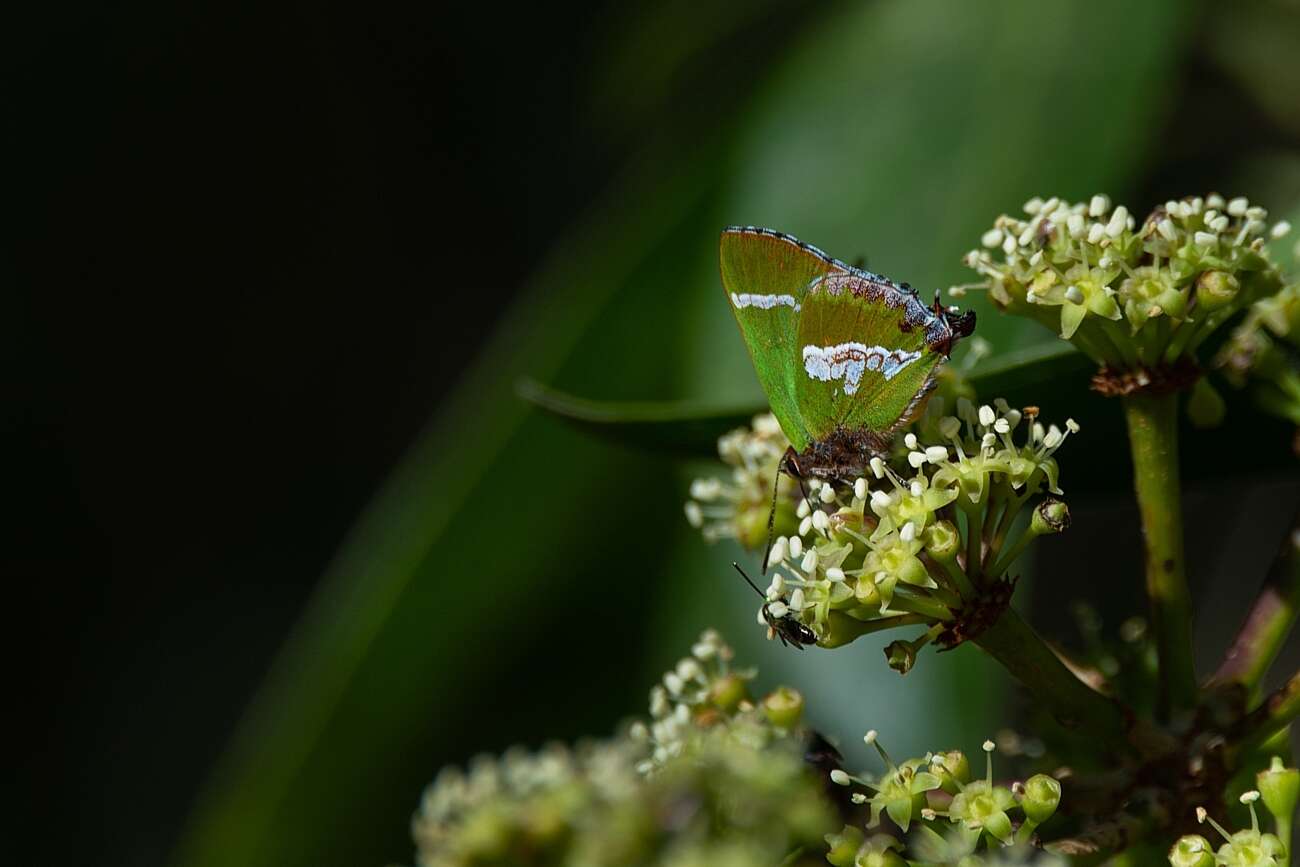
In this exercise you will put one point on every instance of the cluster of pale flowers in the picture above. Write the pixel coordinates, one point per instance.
(952, 813)
(910, 542)
(1170, 279)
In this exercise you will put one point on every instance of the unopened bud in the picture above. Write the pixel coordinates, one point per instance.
(942, 541)
(784, 707)
(1041, 797)
(1216, 288)
(1051, 516)
(1279, 788)
(901, 656)
(728, 692)
(1192, 851)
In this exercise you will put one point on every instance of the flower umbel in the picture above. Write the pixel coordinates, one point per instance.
(1138, 297)
(926, 539)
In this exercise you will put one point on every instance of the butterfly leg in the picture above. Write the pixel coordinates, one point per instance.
(790, 466)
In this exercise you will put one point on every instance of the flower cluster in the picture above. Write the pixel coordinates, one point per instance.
(954, 814)
(1261, 353)
(1134, 295)
(725, 783)
(739, 508)
(1279, 788)
(924, 539)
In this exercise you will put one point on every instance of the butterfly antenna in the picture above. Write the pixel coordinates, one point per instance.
(736, 566)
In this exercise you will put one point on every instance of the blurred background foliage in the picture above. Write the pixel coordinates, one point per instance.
(404, 211)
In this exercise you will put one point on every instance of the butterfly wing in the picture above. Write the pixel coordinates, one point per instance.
(766, 276)
(866, 356)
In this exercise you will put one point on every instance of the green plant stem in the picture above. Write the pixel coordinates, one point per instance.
(1270, 619)
(1013, 643)
(974, 539)
(916, 600)
(1275, 714)
(1009, 556)
(1282, 828)
(1153, 440)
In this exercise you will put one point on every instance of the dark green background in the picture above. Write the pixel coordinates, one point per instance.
(286, 540)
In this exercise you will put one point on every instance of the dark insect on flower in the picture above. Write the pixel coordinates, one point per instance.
(781, 623)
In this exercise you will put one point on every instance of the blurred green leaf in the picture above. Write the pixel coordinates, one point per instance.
(692, 428)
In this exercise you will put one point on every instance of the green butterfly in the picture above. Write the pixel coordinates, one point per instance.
(846, 357)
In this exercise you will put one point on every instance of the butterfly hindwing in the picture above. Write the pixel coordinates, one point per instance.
(766, 276)
(862, 356)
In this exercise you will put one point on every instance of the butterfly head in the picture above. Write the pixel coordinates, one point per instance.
(956, 324)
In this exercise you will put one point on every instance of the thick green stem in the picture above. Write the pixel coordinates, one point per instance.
(1153, 440)
(1270, 619)
(1275, 714)
(1012, 642)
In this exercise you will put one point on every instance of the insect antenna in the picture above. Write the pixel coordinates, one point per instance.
(736, 566)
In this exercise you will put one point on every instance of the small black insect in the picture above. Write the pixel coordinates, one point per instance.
(786, 627)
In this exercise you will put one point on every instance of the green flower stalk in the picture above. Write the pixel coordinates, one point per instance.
(926, 539)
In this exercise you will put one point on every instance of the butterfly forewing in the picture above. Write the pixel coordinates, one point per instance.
(863, 362)
(766, 276)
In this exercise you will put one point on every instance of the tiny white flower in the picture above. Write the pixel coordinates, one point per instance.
(1033, 206)
(821, 520)
(805, 526)
(910, 441)
(1118, 222)
(809, 563)
(694, 514)
(936, 454)
(840, 778)
(987, 416)
(860, 489)
(826, 494)
(796, 599)
(992, 238)
(1166, 228)
(1074, 295)
(1095, 233)
(779, 550)
(916, 459)
(1205, 239)
(835, 573)
(1237, 207)
(1098, 206)
(1280, 229)
(796, 547)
